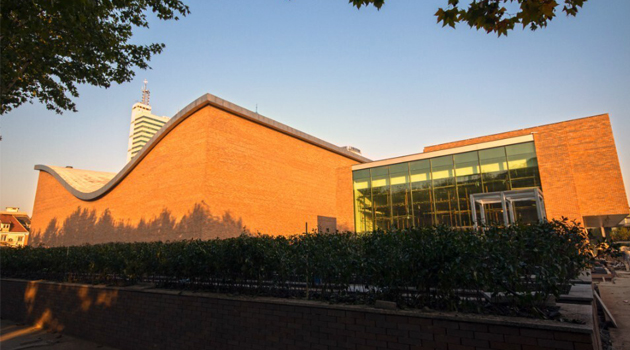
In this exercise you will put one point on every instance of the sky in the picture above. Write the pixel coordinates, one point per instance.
(388, 82)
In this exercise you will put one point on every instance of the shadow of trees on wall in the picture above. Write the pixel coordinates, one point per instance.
(85, 226)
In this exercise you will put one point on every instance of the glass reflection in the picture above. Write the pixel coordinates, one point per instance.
(381, 198)
(401, 196)
(444, 191)
(437, 190)
(362, 201)
(468, 182)
(421, 193)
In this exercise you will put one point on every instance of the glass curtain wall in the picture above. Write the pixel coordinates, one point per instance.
(523, 173)
(363, 218)
(421, 193)
(468, 176)
(523, 165)
(401, 196)
(444, 191)
(381, 198)
(437, 190)
(494, 175)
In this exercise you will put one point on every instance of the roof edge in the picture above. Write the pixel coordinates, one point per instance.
(183, 114)
(14, 220)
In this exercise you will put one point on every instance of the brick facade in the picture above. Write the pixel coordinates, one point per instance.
(578, 163)
(152, 319)
(215, 172)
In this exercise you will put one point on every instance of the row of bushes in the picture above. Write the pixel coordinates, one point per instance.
(620, 234)
(437, 267)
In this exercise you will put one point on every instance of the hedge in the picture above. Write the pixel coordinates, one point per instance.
(437, 267)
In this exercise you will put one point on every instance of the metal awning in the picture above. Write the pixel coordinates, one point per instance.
(507, 199)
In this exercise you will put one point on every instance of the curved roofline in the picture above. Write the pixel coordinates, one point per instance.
(196, 105)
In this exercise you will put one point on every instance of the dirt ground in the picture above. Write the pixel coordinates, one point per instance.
(616, 296)
(14, 336)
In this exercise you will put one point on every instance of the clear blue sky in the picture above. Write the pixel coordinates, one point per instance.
(388, 82)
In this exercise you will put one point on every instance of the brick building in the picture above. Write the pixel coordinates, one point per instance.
(574, 164)
(216, 170)
(14, 227)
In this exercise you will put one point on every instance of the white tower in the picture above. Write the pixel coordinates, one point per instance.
(146, 94)
(144, 124)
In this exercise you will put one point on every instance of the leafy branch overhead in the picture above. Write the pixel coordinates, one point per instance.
(48, 47)
(493, 16)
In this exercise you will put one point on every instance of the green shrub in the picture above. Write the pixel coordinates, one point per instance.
(620, 234)
(438, 267)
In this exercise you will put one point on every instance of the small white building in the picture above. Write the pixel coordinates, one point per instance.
(14, 227)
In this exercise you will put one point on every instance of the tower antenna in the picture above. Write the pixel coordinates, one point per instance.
(146, 94)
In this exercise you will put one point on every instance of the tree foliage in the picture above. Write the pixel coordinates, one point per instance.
(50, 46)
(493, 16)
(620, 234)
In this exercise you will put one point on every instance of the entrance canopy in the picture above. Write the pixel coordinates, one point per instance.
(507, 200)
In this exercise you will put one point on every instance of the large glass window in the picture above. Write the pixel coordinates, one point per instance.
(523, 165)
(421, 193)
(437, 190)
(494, 177)
(468, 181)
(401, 195)
(444, 191)
(363, 217)
(494, 171)
(381, 198)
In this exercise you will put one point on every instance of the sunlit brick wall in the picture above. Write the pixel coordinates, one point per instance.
(214, 164)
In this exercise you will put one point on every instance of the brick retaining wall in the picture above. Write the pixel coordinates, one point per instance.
(134, 318)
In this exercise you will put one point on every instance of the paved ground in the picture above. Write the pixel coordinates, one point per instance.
(616, 296)
(18, 337)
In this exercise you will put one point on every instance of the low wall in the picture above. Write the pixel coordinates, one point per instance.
(136, 318)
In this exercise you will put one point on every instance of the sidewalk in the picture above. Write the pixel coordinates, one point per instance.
(616, 296)
(14, 336)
